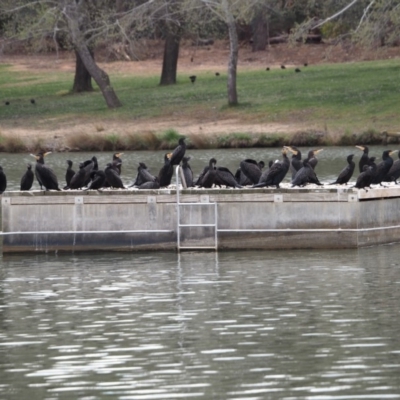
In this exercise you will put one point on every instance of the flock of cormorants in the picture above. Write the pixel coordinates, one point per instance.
(250, 172)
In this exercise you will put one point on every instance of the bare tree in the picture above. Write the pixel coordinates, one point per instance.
(230, 11)
(72, 12)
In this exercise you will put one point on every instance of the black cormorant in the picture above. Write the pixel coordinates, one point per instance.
(187, 172)
(305, 175)
(251, 170)
(394, 172)
(98, 179)
(383, 167)
(144, 174)
(27, 178)
(113, 177)
(116, 162)
(364, 160)
(365, 178)
(89, 166)
(295, 162)
(178, 153)
(3, 180)
(207, 177)
(275, 175)
(150, 184)
(312, 157)
(192, 78)
(69, 173)
(78, 180)
(225, 177)
(346, 173)
(166, 172)
(44, 174)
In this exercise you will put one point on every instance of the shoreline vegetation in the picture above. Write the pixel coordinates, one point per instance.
(324, 104)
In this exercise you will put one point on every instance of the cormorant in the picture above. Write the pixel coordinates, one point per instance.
(150, 184)
(144, 175)
(178, 153)
(225, 177)
(192, 78)
(275, 175)
(33, 101)
(78, 180)
(305, 175)
(89, 166)
(365, 178)
(187, 172)
(346, 173)
(3, 180)
(283, 67)
(312, 159)
(207, 177)
(98, 178)
(27, 178)
(383, 167)
(113, 177)
(364, 160)
(295, 162)
(166, 172)
(44, 174)
(394, 172)
(116, 162)
(251, 170)
(297, 70)
(69, 173)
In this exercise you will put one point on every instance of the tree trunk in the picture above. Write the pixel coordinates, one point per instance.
(101, 78)
(233, 54)
(170, 60)
(82, 80)
(260, 33)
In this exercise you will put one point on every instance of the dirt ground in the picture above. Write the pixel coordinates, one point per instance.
(191, 60)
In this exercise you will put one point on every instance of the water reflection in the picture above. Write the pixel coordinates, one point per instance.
(234, 325)
(332, 161)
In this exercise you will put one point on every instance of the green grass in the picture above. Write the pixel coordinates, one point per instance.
(340, 98)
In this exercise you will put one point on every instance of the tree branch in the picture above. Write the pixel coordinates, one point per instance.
(364, 14)
(335, 15)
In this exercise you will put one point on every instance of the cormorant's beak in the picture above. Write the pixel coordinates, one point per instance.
(119, 154)
(393, 152)
(290, 149)
(318, 151)
(169, 155)
(361, 148)
(34, 155)
(46, 154)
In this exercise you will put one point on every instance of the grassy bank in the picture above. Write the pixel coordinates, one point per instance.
(337, 103)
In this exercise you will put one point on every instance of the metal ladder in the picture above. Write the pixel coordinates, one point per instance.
(181, 225)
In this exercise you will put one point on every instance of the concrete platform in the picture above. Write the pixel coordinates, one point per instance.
(132, 220)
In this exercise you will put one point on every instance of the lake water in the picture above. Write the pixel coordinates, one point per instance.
(234, 325)
(318, 325)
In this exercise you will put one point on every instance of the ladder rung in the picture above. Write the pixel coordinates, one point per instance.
(196, 204)
(196, 247)
(194, 225)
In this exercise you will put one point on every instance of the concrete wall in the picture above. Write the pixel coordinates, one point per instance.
(245, 219)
